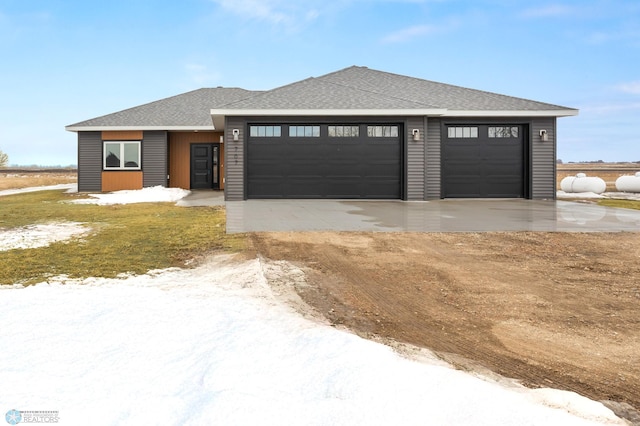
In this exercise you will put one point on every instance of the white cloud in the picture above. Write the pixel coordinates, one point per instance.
(601, 37)
(277, 12)
(632, 87)
(294, 13)
(416, 31)
(553, 10)
(260, 9)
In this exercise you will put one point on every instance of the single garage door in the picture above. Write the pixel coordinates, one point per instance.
(324, 161)
(484, 161)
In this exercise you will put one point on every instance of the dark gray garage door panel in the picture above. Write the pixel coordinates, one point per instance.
(483, 167)
(324, 167)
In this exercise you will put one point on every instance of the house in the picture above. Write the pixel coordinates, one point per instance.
(356, 133)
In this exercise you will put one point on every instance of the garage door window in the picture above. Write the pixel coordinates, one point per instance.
(265, 131)
(462, 132)
(382, 131)
(503, 132)
(304, 131)
(343, 131)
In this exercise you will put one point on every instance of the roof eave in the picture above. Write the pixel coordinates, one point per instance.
(218, 115)
(80, 128)
(512, 113)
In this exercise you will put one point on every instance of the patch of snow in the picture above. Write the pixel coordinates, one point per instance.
(155, 194)
(579, 195)
(566, 400)
(33, 236)
(622, 195)
(215, 345)
(70, 187)
(593, 195)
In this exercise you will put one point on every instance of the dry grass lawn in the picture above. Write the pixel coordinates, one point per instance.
(26, 179)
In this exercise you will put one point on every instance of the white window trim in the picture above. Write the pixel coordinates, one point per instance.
(104, 156)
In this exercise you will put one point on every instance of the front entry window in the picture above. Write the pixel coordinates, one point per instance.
(123, 155)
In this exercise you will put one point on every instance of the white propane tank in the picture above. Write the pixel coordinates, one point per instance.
(628, 183)
(582, 183)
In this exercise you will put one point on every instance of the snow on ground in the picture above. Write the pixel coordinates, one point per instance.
(578, 195)
(33, 236)
(593, 195)
(70, 187)
(622, 195)
(213, 345)
(146, 195)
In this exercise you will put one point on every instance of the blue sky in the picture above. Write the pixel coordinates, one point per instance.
(64, 61)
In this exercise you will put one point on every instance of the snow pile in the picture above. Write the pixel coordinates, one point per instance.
(580, 195)
(42, 235)
(213, 345)
(593, 195)
(155, 194)
(70, 187)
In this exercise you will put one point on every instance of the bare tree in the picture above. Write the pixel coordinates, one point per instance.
(4, 159)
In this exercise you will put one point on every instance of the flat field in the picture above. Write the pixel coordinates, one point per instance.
(607, 171)
(25, 178)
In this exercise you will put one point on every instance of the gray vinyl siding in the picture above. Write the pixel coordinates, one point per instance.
(234, 159)
(432, 159)
(89, 161)
(154, 158)
(543, 159)
(415, 159)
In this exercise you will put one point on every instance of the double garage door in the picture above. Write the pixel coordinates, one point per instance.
(364, 161)
(483, 161)
(324, 161)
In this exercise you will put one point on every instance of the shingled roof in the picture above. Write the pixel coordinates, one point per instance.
(439, 95)
(185, 111)
(351, 91)
(378, 92)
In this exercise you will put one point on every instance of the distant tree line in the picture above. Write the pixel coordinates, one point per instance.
(559, 161)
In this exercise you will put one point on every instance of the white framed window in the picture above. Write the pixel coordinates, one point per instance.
(121, 155)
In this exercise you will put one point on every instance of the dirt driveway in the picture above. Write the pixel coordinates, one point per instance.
(555, 310)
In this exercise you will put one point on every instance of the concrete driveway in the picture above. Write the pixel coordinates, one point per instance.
(427, 216)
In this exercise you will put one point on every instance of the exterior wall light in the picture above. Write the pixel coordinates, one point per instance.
(416, 134)
(236, 134)
(543, 135)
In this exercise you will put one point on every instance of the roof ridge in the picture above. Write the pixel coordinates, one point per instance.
(373, 91)
(257, 93)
